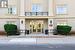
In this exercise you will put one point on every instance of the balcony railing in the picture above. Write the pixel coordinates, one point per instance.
(36, 13)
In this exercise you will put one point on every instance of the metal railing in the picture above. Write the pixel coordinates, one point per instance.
(36, 13)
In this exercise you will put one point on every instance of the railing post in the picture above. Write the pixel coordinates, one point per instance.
(30, 13)
(36, 13)
(42, 13)
(47, 13)
(25, 13)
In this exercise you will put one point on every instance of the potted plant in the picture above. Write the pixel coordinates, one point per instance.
(11, 29)
(63, 29)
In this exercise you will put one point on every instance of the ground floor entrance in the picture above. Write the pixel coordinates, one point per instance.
(36, 26)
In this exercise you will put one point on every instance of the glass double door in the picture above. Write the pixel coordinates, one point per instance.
(36, 26)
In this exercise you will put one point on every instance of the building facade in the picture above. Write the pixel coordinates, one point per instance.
(37, 15)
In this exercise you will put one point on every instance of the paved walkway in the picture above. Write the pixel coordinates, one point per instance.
(56, 39)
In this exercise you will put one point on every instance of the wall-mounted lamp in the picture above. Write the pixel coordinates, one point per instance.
(22, 22)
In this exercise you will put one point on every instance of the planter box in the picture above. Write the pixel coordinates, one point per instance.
(3, 33)
(11, 29)
(61, 29)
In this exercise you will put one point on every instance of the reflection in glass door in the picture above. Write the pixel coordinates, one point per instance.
(36, 26)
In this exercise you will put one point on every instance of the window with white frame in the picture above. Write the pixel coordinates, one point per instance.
(12, 10)
(3, 3)
(61, 9)
(36, 8)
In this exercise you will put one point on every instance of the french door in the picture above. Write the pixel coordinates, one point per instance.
(36, 26)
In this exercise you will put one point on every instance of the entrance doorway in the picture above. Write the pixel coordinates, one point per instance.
(36, 26)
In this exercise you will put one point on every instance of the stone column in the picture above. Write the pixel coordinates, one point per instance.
(50, 26)
(22, 12)
(22, 27)
(50, 7)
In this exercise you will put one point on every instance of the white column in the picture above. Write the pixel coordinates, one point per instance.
(50, 25)
(22, 26)
(50, 7)
(22, 13)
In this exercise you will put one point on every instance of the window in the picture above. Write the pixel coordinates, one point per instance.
(36, 8)
(3, 3)
(12, 10)
(61, 9)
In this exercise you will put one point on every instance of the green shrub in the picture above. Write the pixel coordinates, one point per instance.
(11, 29)
(62, 29)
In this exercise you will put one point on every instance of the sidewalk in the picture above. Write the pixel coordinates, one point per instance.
(64, 40)
(52, 40)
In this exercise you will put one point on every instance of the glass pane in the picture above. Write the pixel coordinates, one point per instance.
(34, 29)
(12, 10)
(61, 9)
(38, 30)
(36, 8)
(39, 27)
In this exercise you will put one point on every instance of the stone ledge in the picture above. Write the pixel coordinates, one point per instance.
(3, 33)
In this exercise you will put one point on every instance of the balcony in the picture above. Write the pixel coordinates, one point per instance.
(36, 13)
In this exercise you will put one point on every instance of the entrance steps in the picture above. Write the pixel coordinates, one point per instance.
(37, 36)
(43, 36)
